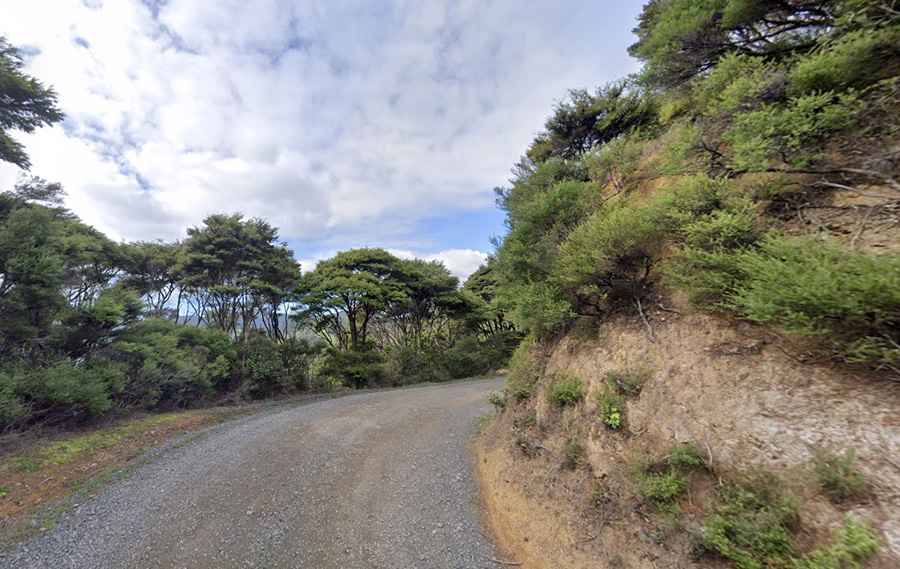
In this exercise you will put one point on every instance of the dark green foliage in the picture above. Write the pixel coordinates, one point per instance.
(172, 366)
(25, 105)
(565, 391)
(363, 367)
(680, 39)
(751, 524)
(838, 475)
(60, 392)
(343, 295)
(239, 273)
(607, 259)
(586, 120)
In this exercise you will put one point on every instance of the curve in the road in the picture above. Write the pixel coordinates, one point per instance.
(374, 480)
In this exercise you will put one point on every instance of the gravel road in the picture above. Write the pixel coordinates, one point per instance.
(373, 480)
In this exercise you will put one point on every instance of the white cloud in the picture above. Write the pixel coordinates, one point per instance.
(338, 121)
(460, 262)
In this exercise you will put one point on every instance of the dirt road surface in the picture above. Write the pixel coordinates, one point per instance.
(373, 480)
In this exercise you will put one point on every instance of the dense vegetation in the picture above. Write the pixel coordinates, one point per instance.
(694, 176)
(89, 326)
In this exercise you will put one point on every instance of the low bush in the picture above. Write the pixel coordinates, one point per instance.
(605, 261)
(171, 366)
(63, 391)
(857, 59)
(759, 139)
(538, 308)
(685, 456)
(565, 391)
(661, 482)
(628, 382)
(750, 524)
(838, 475)
(498, 400)
(814, 288)
(360, 368)
(854, 543)
(610, 410)
(525, 370)
(406, 365)
(662, 488)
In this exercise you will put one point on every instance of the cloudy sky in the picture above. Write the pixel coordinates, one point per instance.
(343, 123)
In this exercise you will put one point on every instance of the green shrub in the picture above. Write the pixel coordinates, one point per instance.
(565, 391)
(736, 83)
(355, 368)
(497, 399)
(264, 372)
(791, 132)
(706, 276)
(605, 259)
(854, 543)
(628, 382)
(838, 475)
(750, 524)
(814, 288)
(525, 370)
(173, 366)
(662, 488)
(11, 407)
(610, 409)
(538, 308)
(617, 161)
(857, 59)
(65, 391)
(406, 365)
(663, 481)
(685, 457)
(721, 229)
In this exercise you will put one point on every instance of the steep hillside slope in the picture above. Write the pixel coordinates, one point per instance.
(706, 258)
(736, 393)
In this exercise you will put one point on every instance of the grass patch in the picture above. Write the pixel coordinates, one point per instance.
(838, 475)
(565, 391)
(63, 452)
(662, 482)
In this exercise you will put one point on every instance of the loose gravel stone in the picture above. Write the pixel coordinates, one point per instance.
(375, 480)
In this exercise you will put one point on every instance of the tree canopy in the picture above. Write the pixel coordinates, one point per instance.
(26, 104)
